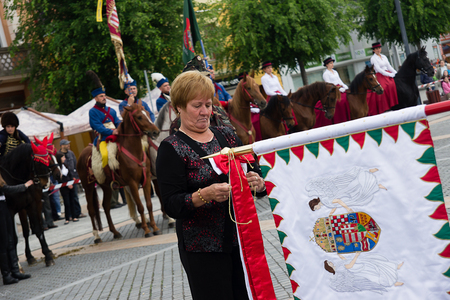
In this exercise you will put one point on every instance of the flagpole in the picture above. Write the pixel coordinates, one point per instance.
(204, 53)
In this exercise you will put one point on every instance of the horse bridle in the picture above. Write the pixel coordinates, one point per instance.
(372, 88)
(36, 176)
(252, 100)
(325, 107)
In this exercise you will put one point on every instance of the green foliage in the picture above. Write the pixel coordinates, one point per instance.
(424, 19)
(286, 32)
(64, 41)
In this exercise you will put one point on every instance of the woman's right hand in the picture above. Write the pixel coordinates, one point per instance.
(218, 192)
(29, 183)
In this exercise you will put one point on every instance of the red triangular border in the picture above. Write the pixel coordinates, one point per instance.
(359, 138)
(286, 253)
(269, 187)
(392, 131)
(270, 158)
(432, 175)
(329, 145)
(440, 213)
(299, 151)
(424, 138)
(294, 286)
(446, 252)
(277, 219)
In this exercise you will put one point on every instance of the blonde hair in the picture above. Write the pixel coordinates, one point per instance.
(189, 86)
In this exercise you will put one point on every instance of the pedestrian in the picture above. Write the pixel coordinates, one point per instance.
(67, 192)
(270, 82)
(9, 263)
(197, 197)
(131, 90)
(441, 69)
(446, 85)
(55, 201)
(71, 164)
(164, 86)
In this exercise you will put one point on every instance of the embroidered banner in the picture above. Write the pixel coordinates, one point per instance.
(359, 209)
(116, 39)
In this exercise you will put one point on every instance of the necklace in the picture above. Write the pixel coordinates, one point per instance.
(196, 139)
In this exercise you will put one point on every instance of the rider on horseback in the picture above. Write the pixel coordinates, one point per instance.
(131, 90)
(10, 136)
(102, 119)
(164, 86)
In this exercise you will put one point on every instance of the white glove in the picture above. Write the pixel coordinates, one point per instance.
(392, 75)
(341, 89)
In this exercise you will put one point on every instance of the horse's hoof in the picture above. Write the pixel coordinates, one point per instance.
(158, 232)
(117, 236)
(97, 241)
(49, 263)
(138, 225)
(147, 235)
(32, 261)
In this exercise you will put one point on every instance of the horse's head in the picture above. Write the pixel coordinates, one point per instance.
(423, 63)
(137, 120)
(370, 81)
(51, 150)
(332, 95)
(251, 92)
(284, 105)
(40, 165)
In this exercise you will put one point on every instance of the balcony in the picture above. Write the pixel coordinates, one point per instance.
(8, 63)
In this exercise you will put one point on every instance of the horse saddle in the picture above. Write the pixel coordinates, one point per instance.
(95, 163)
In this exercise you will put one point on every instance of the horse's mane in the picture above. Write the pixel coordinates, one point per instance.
(161, 115)
(310, 91)
(16, 161)
(357, 81)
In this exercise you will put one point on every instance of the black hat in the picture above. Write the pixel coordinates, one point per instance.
(10, 118)
(98, 86)
(328, 60)
(376, 45)
(196, 64)
(266, 64)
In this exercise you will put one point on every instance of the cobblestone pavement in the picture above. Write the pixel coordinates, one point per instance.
(139, 268)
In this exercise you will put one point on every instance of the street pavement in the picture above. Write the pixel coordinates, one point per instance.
(135, 267)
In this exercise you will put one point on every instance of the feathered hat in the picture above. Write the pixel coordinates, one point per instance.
(159, 79)
(10, 118)
(196, 64)
(130, 82)
(98, 86)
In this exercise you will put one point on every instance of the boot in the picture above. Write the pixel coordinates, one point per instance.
(6, 273)
(14, 261)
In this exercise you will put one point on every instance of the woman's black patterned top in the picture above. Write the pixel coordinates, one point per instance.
(181, 172)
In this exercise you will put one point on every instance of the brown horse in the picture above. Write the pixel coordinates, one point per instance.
(357, 97)
(276, 117)
(247, 91)
(134, 170)
(305, 100)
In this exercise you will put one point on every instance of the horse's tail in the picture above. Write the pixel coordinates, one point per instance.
(96, 205)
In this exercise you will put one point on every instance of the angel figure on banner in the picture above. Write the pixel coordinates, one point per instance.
(371, 272)
(356, 187)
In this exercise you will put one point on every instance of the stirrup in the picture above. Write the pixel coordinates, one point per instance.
(115, 185)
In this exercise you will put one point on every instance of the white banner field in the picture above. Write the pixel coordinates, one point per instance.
(359, 209)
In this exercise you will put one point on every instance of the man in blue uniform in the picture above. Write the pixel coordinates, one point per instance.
(163, 84)
(102, 119)
(131, 90)
(220, 93)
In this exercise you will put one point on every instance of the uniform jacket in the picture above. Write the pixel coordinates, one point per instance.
(98, 118)
(136, 100)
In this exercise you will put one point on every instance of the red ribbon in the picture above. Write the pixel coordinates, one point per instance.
(251, 242)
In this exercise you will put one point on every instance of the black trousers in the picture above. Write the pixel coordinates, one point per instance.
(215, 275)
(7, 231)
(70, 209)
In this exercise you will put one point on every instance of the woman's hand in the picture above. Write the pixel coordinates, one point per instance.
(70, 186)
(255, 181)
(28, 183)
(218, 192)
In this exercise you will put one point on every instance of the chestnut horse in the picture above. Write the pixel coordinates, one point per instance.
(276, 117)
(357, 97)
(134, 170)
(305, 99)
(247, 92)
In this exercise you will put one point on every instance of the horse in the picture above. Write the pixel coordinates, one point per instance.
(357, 97)
(56, 171)
(405, 79)
(276, 117)
(305, 99)
(17, 167)
(134, 168)
(247, 91)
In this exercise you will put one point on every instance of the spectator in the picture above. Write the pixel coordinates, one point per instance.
(71, 164)
(47, 211)
(55, 201)
(441, 69)
(67, 192)
(446, 85)
(425, 79)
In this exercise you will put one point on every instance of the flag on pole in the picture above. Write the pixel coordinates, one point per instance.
(359, 209)
(191, 33)
(113, 24)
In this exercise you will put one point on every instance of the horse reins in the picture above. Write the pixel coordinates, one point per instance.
(283, 118)
(372, 89)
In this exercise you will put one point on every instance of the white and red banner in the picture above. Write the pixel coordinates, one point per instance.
(359, 209)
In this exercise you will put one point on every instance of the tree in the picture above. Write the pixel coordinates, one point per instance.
(288, 32)
(64, 41)
(424, 19)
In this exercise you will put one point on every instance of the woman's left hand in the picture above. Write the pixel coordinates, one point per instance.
(255, 181)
